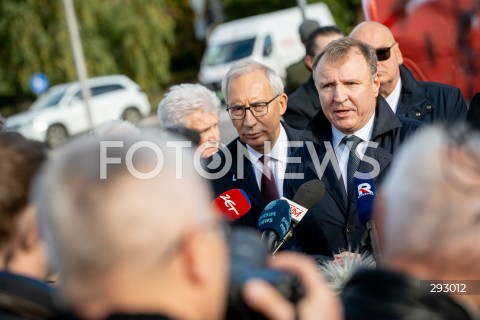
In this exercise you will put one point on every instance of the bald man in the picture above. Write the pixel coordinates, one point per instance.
(429, 102)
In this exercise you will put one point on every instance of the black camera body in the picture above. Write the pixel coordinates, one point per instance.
(248, 260)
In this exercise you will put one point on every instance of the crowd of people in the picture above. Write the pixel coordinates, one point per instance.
(119, 224)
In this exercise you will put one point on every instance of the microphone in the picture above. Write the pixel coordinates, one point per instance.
(365, 199)
(309, 194)
(274, 222)
(233, 204)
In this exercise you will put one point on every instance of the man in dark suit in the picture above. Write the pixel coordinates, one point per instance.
(429, 102)
(303, 103)
(354, 119)
(255, 102)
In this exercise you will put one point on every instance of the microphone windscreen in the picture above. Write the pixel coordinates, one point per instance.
(232, 204)
(310, 193)
(365, 197)
(275, 216)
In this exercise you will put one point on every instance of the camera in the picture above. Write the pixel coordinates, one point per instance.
(248, 260)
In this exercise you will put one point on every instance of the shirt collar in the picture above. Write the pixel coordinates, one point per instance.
(394, 97)
(279, 151)
(364, 133)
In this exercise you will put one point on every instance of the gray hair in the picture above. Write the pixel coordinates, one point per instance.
(339, 50)
(86, 238)
(432, 202)
(246, 66)
(183, 100)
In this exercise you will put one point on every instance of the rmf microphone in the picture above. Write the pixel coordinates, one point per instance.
(233, 204)
(309, 194)
(366, 192)
(274, 222)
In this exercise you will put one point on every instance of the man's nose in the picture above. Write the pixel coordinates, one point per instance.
(339, 94)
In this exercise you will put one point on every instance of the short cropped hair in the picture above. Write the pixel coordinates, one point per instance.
(432, 200)
(246, 66)
(338, 50)
(183, 100)
(320, 32)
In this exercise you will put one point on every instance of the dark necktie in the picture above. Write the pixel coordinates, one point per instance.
(268, 186)
(353, 162)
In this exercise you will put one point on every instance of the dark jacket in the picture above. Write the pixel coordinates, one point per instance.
(430, 102)
(232, 179)
(25, 298)
(381, 294)
(473, 116)
(302, 105)
(333, 224)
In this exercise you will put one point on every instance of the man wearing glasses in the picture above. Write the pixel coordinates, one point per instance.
(255, 103)
(429, 102)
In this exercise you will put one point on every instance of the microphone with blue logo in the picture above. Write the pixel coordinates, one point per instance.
(274, 222)
(366, 193)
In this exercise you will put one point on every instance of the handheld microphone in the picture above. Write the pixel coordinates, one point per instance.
(233, 204)
(274, 222)
(366, 192)
(309, 194)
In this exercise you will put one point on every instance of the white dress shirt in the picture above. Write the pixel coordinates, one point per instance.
(394, 98)
(278, 160)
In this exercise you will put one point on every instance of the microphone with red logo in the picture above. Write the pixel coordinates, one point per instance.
(365, 198)
(232, 204)
(309, 194)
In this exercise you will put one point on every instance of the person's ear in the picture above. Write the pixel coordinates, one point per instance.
(195, 252)
(28, 233)
(308, 61)
(282, 100)
(398, 53)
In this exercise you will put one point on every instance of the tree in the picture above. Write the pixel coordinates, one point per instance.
(122, 36)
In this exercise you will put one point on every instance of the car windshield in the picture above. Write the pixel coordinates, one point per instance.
(49, 99)
(227, 52)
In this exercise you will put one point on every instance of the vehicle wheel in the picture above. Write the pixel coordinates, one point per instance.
(56, 135)
(132, 115)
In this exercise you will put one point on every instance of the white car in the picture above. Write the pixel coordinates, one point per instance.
(61, 112)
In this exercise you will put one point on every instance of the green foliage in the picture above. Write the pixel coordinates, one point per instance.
(121, 36)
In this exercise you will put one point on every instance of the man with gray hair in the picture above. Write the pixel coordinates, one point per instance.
(255, 103)
(357, 132)
(194, 107)
(428, 218)
(136, 244)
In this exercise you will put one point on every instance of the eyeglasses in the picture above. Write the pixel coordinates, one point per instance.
(258, 109)
(384, 53)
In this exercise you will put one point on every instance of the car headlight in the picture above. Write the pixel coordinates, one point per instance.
(39, 125)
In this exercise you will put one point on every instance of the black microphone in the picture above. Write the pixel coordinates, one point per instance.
(274, 222)
(366, 192)
(309, 194)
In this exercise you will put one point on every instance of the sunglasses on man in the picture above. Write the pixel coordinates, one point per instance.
(384, 53)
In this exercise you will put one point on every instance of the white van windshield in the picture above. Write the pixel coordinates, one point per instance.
(227, 52)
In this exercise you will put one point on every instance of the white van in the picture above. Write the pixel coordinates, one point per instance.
(270, 38)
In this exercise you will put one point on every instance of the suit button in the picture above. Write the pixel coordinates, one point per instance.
(418, 114)
(351, 228)
(429, 107)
